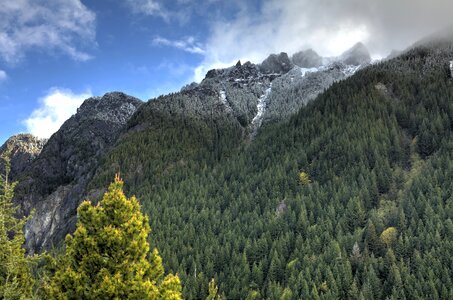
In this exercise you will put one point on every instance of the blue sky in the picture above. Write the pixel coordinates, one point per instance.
(56, 53)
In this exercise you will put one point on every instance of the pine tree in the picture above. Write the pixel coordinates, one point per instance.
(16, 281)
(213, 291)
(106, 257)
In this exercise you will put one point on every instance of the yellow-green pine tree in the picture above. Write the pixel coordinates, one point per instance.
(107, 256)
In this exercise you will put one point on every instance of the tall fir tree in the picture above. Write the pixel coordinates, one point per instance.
(107, 256)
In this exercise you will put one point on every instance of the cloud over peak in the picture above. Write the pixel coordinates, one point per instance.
(54, 109)
(50, 25)
(327, 26)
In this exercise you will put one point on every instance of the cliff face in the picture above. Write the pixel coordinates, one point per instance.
(22, 149)
(54, 183)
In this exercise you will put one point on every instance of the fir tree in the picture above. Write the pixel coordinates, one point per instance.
(107, 256)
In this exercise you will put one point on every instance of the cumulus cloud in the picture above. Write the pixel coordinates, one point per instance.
(328, 26)
(3, 75)
(188, 44)
(49, 25)
(54, 109)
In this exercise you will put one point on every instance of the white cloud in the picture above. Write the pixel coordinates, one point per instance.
(3, 75)
(189, 44)
(148, 7)
(55, 108)
(328, 26)
(50, 25)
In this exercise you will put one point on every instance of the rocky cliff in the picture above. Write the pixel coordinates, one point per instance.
(22, 149)
(55, 182)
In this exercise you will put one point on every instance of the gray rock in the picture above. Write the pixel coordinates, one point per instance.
(54, 184)
(293, 90)
(307, 59)
(22, 149)
(278, 64)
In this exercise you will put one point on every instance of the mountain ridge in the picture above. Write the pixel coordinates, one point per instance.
(241, 98)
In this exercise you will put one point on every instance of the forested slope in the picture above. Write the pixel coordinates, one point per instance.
(374, 222)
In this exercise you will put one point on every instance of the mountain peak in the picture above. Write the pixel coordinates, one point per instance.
(357, 55)
(114, 106)
(307, 59)
(276, 63)
(22, 149)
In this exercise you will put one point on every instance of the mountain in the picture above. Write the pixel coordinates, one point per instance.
(54, 183)
(276, 64)
(227, 107)
(277, 180)
(376, 148)
(357, 55)
(22, 149)
(307, 59)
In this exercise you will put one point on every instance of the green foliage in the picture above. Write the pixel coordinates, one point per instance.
(213, 292)
(106, 257)
(304, 178)
(16, 281)
(389, 236)
(375, 161)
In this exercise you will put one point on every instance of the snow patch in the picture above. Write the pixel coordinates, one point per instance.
(261, 109)
(350, 70)
(451, 68)
(223, 97)
(305, 71)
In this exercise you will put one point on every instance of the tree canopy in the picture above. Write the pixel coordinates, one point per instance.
(108, 256)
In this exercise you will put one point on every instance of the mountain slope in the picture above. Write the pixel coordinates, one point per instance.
(378, 150)
(55, 182)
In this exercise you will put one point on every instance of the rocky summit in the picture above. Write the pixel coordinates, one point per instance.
(307, 59)
(54, 183)
(22, 149)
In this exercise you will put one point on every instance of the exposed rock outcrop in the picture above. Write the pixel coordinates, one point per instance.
(54, 183)
(22, 149)
(279, 64)
(307, 59)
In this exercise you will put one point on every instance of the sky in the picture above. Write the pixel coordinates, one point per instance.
(56, 53)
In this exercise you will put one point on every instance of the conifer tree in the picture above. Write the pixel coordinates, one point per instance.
(16, 281)
(107, 256)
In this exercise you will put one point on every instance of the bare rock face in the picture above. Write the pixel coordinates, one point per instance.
(357, 55)
(54, 184)
(276, 64)
(22, 149)
(307, 59)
